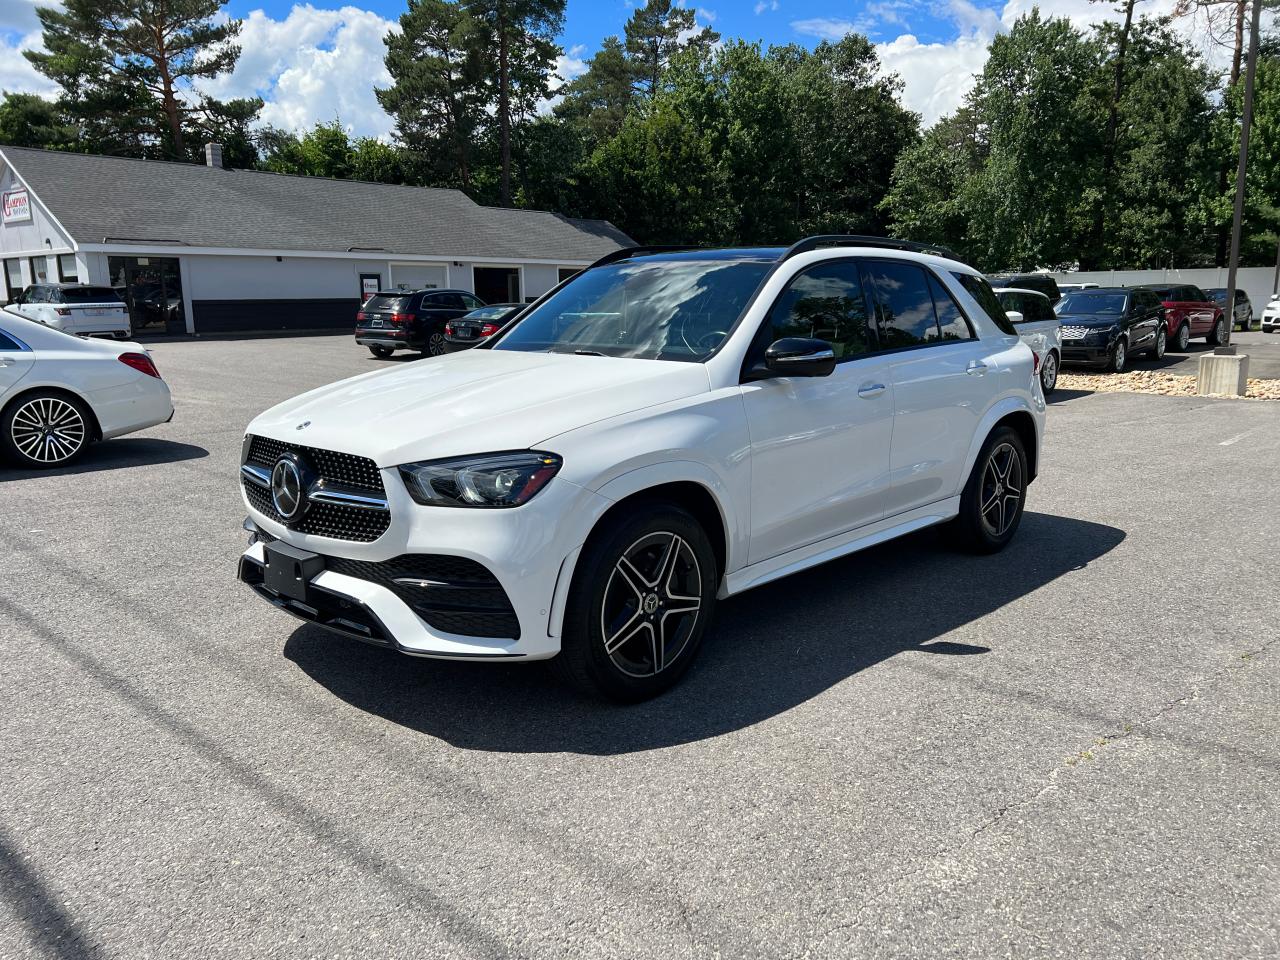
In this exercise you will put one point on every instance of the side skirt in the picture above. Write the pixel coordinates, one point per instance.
(840, 545)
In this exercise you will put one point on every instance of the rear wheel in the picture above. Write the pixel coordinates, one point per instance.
(1049, 372)
(381, 352)
(643, 595)
(992, 501)
(1218, 333)
(44, 430)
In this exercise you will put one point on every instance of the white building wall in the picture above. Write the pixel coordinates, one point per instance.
(538, 279)
(266, 278)
(38, 236)
(1256, 281)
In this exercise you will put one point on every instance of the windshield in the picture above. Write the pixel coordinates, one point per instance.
(647, 310)
(1218, 296)
(1089, 301)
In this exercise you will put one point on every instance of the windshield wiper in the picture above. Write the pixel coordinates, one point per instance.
(587, 353)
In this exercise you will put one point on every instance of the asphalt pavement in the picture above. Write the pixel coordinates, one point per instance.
(1263, 350)
(1070, 749)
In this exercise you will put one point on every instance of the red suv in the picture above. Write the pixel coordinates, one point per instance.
(1188, 312)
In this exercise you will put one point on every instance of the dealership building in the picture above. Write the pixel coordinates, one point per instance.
(202, 249)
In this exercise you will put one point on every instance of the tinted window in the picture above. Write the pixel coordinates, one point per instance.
(471, 302)
(659, 309)
(7, 344)
(904, 305)
(36, 295)
(1164, 293)
(388, 304)
(980, 290)
(951, 322)
(825, 302)
(1196, 294)
(1091, 301)
(453, 301)
(88, 295)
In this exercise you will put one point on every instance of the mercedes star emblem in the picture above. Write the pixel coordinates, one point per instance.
(303, 425)
(286, 488)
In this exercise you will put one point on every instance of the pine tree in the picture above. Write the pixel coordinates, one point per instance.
(128, 68)
(654, 35)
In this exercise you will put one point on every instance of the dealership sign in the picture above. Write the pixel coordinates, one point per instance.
(17, 206)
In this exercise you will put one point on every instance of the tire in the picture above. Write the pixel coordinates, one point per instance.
(1119, 357)
(45, 430)
(435, 345)
(1161, 344)
(628, 606)
(1218, 333)
(1183, 340)
(1000, 472)
(1049, 372)
(381, 352)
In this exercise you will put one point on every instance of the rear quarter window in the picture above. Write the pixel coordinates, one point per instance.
(980, 290)
(88, 295)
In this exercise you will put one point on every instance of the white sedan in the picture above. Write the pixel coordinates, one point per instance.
(59, 392)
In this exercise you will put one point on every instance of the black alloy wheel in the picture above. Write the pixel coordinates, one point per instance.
(643, 595)
(435, 344)
(1119, 356)
(993, 499)
(1162, 344)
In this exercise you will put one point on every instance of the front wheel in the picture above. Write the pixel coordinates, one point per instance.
(45, 430)
(381, 352)
(642, 598)
(1049, 372)
(1162, 344)
(1184, 338)
(1119, 357)
(1218, 333)
(992, 501)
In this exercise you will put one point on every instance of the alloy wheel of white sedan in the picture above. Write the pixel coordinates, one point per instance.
(48, 429)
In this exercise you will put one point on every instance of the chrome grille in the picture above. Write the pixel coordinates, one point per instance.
(1074, 332)
(336, 521)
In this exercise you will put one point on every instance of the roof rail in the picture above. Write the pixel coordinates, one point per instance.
(622, 253)
(855, 240)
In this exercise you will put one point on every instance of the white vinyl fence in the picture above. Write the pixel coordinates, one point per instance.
(1255, 281)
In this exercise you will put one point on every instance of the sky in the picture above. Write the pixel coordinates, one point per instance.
(319, 61)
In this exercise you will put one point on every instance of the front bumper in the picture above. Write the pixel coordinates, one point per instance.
(1092, 355)
(530, 552)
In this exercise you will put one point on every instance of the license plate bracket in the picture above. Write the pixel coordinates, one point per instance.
(289, 570)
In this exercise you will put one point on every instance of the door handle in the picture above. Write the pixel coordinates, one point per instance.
(976, 367)
(6, 361)
(869, 390)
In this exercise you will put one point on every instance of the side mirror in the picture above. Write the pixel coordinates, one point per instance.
(796, 357)
(1015, 316)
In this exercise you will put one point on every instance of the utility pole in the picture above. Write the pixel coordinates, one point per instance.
(1246, 121)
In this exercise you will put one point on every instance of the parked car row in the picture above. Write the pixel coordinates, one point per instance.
(75, 308)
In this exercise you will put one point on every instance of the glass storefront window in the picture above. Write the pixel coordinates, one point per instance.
(12, 279)
(151, 287)
(67, 271)
(40, 270)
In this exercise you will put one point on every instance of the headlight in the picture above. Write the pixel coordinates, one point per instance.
(492, 480)
(1103, 335)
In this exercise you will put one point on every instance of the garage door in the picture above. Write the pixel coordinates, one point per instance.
(416, 276)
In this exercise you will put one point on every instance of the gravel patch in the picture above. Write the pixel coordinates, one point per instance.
(1152, 381)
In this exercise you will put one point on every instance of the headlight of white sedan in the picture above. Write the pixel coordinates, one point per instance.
(491, 480)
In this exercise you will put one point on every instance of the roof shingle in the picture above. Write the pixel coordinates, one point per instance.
(100, 199)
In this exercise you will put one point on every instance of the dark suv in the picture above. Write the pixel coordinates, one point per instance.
(1040, 282)
(410, 319)
(1243, 311)
(1106, 326)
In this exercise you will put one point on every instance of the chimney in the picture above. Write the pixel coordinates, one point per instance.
(213, 154)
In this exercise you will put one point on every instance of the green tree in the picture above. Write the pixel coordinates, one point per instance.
(518, 37)
(437, 97)
(128, 70)
(326, 150)
(602, 96)
(655, 34)
(27, 120)
(925, 201)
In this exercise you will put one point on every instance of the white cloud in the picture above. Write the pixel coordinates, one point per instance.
(19, 16)
(763, 5)
(824, 28)
(17, 75)
(313, 66)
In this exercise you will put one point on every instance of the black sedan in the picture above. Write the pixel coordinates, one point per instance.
(1244, 309)
(478, 326)
(1106, 326)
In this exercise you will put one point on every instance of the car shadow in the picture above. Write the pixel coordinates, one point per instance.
(115, 455)
(771, 649)
(1060, 395)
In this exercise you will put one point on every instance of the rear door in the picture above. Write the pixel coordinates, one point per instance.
(1200, 310)
(938, 370)
(16, 361)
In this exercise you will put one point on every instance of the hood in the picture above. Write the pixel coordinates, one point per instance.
(1089, 319)
(477, 401)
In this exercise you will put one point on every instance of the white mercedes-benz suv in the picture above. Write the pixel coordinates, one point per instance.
(665, 429)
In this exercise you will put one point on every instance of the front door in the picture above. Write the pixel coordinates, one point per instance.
(939, 374)
(151, 288)
(819, 445)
